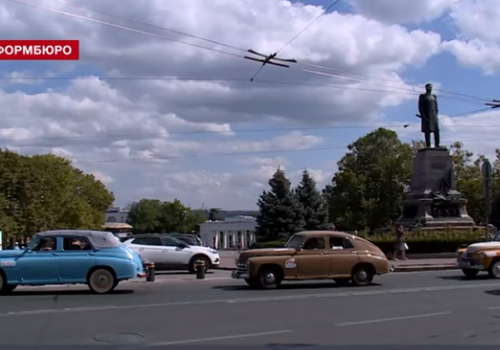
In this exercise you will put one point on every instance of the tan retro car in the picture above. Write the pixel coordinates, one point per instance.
(483, 256)
(313, 255)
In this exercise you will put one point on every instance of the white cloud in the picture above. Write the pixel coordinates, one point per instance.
(100, 123)
(403, 11)
(478, 23)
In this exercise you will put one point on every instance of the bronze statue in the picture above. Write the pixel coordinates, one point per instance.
(428, 114)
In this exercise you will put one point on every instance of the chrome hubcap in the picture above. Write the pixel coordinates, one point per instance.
(362, 275)
(269, 278)
(102, 280)
(496, 270)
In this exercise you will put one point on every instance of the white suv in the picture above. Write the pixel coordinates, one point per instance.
(167, 252)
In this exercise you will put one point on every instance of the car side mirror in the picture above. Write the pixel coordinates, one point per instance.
(182, 245)
(300, 247)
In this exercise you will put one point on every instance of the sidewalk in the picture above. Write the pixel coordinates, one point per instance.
(410, 265)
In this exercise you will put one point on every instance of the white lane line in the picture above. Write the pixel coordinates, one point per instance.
(494, 308)
(367, 292)
(227, 337)
(401, 318)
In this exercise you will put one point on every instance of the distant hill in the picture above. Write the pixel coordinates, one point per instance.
(223, 214)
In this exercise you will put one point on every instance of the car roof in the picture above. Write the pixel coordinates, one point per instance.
(99, 239)
(324, 233)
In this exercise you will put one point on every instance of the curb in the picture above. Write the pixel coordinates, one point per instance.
(410, 268)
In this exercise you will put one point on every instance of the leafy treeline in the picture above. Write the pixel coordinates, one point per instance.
(155, 216)
(45, 192)
(367, 191)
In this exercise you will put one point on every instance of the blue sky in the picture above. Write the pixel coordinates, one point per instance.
(86, 115)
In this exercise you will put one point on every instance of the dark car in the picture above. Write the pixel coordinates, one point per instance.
(189, 238)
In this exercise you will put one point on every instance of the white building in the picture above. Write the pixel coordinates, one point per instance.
(116, 214)
(227, 234)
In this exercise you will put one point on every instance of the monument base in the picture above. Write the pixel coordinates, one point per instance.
(434, 201)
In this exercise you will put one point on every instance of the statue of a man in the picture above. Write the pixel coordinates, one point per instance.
(428, 109)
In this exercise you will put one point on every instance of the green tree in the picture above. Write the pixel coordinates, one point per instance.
(468, 177)
(280, 213)
(368, 189)
(146, 216)
(46, 192)
(213, 214)
(314, 207)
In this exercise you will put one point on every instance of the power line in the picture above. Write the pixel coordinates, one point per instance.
(395, 90)
(231, 154)
(309, 25)
(123, 28)
(261, 130)
(93, 9)
(217, 43)
(494, 104)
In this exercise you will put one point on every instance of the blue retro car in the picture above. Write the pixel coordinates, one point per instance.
(95, 258)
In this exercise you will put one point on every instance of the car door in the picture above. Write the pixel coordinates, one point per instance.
(312, 260)
(39, 265)
(149, 248)
(175, 251)
(342, 255)
(76, 258)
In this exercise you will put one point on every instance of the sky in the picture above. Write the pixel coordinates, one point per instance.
(161, 103)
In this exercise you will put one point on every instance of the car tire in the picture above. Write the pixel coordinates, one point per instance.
(269, 279)
(470, 273)
(102, 281)
(362, 275)
(252, 282)
(194, 260)
(4, 287)
(341, 282)
(494, 270)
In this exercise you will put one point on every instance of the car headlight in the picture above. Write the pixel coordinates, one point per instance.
(213, 251)
(481, 256)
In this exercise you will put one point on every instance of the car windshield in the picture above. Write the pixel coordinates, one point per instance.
(294, 242)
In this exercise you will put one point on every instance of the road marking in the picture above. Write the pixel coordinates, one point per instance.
(368, 292)
(494, 308)
(227, 337)
(401, 318)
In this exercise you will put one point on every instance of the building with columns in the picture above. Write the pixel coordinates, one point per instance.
(227, 234)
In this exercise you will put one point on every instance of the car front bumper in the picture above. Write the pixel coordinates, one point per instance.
(238, 275)
(469, 265)
(241, 272)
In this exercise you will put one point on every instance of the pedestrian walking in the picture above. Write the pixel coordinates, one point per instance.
(400, 247)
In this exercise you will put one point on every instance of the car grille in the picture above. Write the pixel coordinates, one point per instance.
(469, 256)
(241, 268)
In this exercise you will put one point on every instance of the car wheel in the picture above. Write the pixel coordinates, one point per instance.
(470, 273)
(252, 282)
(362, 275)
(342, 281)
(6, 288)
(196, 259)
(494, 270)
(269, 279)
(102, 281)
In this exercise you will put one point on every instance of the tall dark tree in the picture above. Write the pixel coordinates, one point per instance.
(280, 213)
(314, 207)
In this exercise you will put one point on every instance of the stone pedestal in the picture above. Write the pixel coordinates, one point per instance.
(433, 200)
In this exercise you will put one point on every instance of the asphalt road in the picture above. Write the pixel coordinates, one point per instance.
(433, 308)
